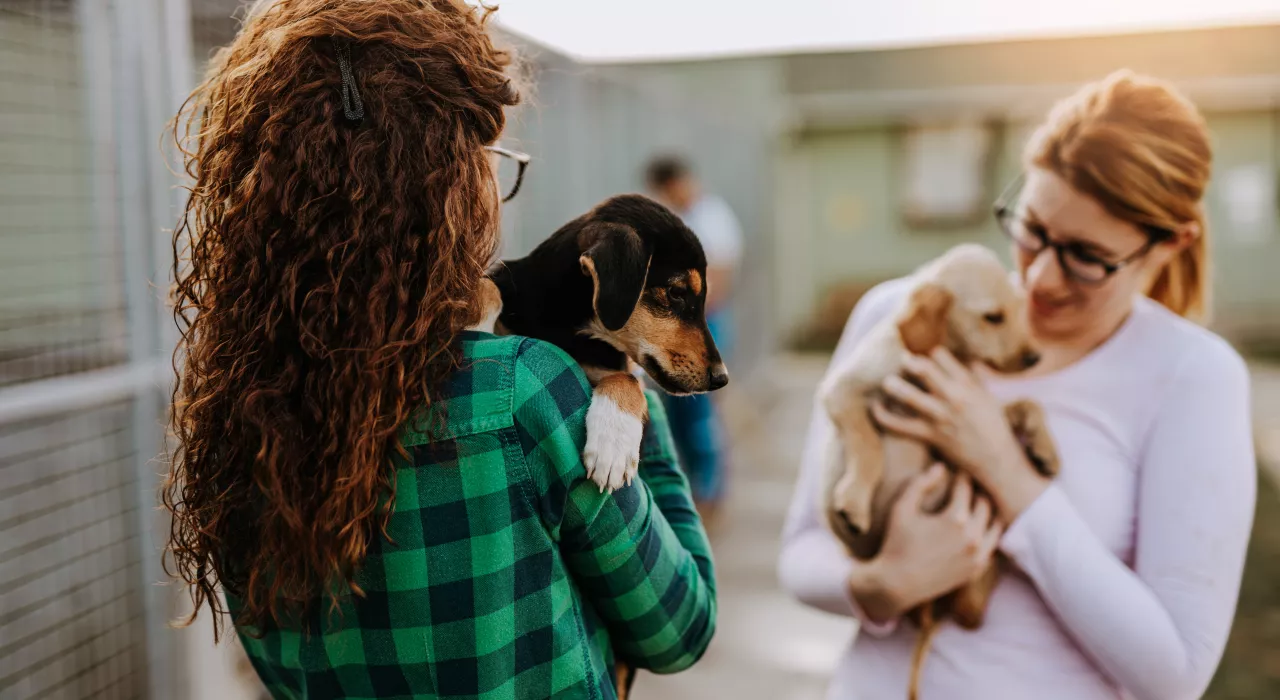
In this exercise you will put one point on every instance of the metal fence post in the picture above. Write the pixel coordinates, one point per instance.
(144, 191)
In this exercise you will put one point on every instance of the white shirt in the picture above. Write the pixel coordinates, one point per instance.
(1130, 563)
(713, 222)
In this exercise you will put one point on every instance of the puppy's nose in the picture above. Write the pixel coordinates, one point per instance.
(1030, 358)
(718, 377)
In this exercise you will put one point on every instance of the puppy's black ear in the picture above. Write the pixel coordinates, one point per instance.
(617, 262)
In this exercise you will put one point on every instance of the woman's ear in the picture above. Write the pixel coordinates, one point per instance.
(923, 326)
(618, 264)
(1184, 236)
(1187, 234)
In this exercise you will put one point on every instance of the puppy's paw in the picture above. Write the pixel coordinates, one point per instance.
(1031, 427)
(612, 454)
(855, 511)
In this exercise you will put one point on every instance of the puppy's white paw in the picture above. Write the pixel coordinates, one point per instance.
(612, 454)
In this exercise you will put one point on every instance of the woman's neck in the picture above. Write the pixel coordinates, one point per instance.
(1057, 353)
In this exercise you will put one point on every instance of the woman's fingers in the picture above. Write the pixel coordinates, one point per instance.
(991, 540)
(920, 487)
(927, 371)
(914, 397)
(949, 366)
(902, 425)
(981, 514)
(962, 498)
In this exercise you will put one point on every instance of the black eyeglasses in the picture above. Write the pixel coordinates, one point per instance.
(510, 181)
(1076, 261)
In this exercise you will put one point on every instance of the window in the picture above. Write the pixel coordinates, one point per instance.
(946, 174)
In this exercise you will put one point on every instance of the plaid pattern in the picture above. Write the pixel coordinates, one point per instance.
(507, 574)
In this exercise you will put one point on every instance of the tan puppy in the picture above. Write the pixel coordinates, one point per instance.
(963, 301)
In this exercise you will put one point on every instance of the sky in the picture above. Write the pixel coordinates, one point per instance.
(630, 30)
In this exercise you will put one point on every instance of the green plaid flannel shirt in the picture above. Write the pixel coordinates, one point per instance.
(507, 573)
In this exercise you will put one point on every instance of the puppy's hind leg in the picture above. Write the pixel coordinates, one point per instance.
(624, 676)
(615, 427)
(969, 606)
(833, 468)
(854, 491)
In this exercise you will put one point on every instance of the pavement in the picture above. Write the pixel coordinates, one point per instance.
(766, 644)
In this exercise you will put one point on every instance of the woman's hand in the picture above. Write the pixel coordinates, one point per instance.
(966, 424)
(926, 555)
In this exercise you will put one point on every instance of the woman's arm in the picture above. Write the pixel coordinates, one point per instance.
(639, 555)
(1159, 630)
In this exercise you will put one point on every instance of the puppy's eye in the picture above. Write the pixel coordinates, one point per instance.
(676, 299)
(995, 318)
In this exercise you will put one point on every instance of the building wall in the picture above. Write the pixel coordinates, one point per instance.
(838, 121)
(852, 189)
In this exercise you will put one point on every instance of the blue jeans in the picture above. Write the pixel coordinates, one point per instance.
(695, 425)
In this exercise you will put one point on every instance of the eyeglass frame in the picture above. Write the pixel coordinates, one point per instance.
(1004, 211)
(521, 158)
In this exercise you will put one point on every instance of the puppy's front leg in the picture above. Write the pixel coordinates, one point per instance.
(1028, 422)
(615, 426)
(853, 492)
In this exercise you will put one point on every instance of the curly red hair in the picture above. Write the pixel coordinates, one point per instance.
(324, 270)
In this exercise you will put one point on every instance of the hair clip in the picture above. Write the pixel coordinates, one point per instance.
(352, 106)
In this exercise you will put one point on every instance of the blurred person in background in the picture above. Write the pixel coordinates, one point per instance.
(695, 422)
(395, 506)
(1131, 561)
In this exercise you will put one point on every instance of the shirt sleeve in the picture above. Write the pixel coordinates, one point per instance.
(813, 565)
(1158, 630)
(640, 555)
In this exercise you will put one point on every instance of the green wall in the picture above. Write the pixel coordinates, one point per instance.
(850, 190)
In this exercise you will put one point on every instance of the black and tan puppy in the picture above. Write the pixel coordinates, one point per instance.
(624, 283)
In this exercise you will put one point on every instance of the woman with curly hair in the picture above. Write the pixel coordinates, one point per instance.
(392, 505)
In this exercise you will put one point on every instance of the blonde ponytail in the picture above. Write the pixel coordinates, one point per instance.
(1183, 285)
(1142, 150)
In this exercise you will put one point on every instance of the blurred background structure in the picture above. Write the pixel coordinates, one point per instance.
(844, 167)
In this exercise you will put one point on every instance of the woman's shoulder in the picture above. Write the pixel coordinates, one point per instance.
(517, 364)
(503, 378)
(1191, 356)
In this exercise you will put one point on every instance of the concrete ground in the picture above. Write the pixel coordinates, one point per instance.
(767, 645)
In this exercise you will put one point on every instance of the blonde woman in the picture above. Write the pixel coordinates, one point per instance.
(1128, 565)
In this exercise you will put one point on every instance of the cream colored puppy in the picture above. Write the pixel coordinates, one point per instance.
(963, 301)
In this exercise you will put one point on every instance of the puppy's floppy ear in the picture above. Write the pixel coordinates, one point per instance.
(923, 326)
(615, 258)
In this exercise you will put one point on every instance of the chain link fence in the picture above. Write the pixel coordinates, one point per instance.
(84, 198)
